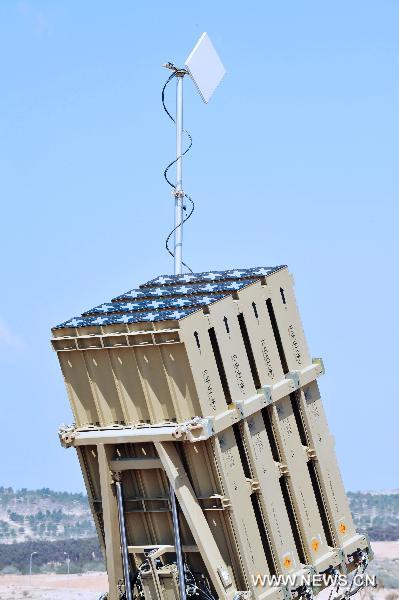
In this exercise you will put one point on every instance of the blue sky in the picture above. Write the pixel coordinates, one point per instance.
(295, 161)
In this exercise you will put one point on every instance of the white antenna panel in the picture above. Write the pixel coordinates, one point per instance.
(205, 67)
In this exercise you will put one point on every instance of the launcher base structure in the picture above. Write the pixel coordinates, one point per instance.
(204, 382)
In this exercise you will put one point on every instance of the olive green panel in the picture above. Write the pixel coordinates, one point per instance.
(129, 385)
(83, 403)
(206, 483)
(155, 384)
(146, 527)
(252, 304)
(280, 290)
(294, 457)
(181, 383)
(322, 442)
(236, 488)
(88, 461)
(103, 386)
(223, 318)
(194, 334)
(266, 471)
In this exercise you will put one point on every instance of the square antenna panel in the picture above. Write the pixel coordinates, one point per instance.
(205, 67)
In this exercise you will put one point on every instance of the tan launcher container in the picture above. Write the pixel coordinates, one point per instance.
(204, 383)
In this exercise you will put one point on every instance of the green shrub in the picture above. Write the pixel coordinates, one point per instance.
(10, 570)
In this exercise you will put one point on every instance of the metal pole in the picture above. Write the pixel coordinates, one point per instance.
(30, 567)
(122, 530)
(179, 554)
(67, 560)
(179, 194)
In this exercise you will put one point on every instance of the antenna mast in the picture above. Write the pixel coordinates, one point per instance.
(206, 69)
(179, 193)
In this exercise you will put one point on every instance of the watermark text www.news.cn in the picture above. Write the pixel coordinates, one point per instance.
(315, 580)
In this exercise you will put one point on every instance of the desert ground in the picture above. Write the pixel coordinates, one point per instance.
(90, 586)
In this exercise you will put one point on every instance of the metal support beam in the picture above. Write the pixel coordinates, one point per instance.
(128, 435)
(122, 530)
(196, 521)
(133, 464)
(110, 516)
(194, 430)
(179, 554)
(160, 550)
